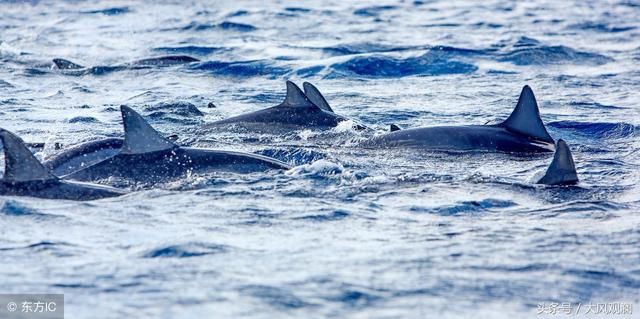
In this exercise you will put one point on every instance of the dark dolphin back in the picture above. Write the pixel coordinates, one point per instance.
(63, 64)
(296, 110)
(25, 176)
(165, 60)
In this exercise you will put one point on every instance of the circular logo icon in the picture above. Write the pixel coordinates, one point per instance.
(12, 306)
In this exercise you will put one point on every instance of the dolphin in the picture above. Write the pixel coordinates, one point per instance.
(70, 68)
(394, 127)
(522, 132)
(296, 112)
(85, 154)
(562, 170)
(147, 156)
(24, 175)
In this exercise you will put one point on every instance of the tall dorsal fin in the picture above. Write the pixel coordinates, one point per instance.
(63, 64)
(525, 118)
(316, 97)
(20, 165)
(139, 136)
(562, 170)
(296, 98)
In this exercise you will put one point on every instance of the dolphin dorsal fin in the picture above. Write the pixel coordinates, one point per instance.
(20, 165)
(296, 98)
(139, 136)
(316, 97)
(562, 170)
(525, 118)
(63, 64)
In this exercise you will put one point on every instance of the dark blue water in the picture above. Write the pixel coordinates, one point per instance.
(348, 232)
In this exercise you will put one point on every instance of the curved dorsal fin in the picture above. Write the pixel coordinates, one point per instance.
(316, 97)
(394, 127)
(63, 64)
(20, 165)
(139, 136)
(296, 98)
(562, 170)
(525, 118)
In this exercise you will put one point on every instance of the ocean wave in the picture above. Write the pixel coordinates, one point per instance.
(553, 55)
(83, 119)
(242, 68)
(601, 27)
(190, 49)
(466, 207)
(187, 250)
(109, 11)
(17, 209)
(366, 47)
(295, 156)
(373, 11)
(433, 63)
(593, 105)
(329, 216)
(225, 25)
(274, 296)
(310, 71)
(5, 84)
(317, 169)
(354, 297)
(602, 130)
(182, 109)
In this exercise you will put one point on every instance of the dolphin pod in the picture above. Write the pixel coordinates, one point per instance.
(144, 155)
(308, 110)
(147, 156)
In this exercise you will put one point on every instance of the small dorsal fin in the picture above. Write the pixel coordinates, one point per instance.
(562, 170)
(316, 97)
(296, 98)
(394, 127)
(20, 165)
(139, 136)
(63, 64)
(525, 118)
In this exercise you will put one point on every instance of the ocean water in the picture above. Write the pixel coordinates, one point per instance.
(347, 233)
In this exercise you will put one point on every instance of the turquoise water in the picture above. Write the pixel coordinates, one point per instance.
(348, 232)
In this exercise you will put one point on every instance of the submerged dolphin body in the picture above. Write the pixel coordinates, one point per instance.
(296, 112)
(25, 176)
(146, 156)
(562, 170)
(85, 154)
(522, 132)
(70, 68)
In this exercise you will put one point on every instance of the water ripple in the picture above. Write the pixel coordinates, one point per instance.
(195, 249)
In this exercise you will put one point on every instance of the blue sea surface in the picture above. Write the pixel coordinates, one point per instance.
(347, 233)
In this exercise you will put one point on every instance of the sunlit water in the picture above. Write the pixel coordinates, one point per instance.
(349, 232)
